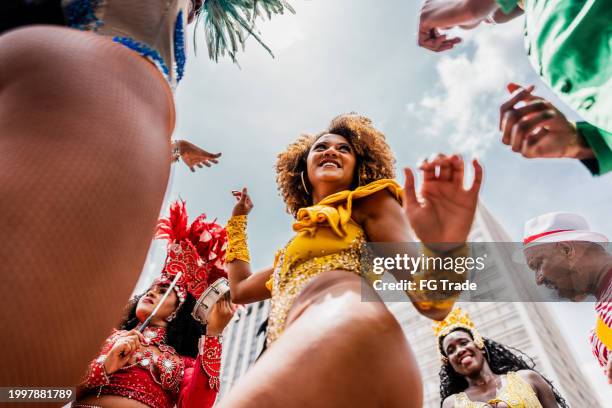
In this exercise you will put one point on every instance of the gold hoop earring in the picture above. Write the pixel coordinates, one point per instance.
(304, 183)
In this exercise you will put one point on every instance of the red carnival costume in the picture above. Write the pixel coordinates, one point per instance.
(166, 379)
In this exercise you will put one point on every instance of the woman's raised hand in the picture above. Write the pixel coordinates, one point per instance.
(244, 204)
(220, 315)
(537, 129)
(445, 211)
(194, 156)
(123, 349)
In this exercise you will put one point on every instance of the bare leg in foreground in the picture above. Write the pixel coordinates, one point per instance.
(84, 162)
(337, 351)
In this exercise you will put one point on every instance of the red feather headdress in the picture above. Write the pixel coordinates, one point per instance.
(196, 250)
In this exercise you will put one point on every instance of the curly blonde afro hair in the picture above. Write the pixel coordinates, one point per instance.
(375, 159)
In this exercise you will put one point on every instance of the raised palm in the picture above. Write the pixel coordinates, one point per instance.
(194, 156)
(445, 211)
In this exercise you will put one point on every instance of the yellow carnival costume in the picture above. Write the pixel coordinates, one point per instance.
(515, 393)
(327, 239)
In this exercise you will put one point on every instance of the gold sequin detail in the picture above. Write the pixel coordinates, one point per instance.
(438, 299)
(237, 247)
(327, 239)
(517, 393)
(287, 283)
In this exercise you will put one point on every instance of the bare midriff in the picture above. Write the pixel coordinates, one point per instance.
(331, 283)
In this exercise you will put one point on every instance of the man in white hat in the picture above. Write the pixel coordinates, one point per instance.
(570, 258)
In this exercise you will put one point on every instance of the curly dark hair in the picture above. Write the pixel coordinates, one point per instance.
(375, 159)
(183, 332)
(502, 360)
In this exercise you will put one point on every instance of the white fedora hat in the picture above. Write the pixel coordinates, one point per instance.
(557, 227)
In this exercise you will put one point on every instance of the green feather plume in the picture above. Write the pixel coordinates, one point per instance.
(229, 23)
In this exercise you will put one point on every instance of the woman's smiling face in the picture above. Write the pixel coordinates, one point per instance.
(463, 355)
(331, 160)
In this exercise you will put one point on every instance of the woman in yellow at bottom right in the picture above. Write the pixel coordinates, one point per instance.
(478, 372)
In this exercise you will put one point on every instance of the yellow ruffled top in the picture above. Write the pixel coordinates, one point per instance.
(326, 239)
(516, 393)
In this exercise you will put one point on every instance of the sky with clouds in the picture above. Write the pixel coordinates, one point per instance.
(342, 56)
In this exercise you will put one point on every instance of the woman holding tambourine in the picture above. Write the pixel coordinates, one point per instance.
(167, 350)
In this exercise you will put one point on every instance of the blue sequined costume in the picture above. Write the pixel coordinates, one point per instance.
(154, 29)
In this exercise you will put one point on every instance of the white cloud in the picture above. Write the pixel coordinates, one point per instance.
(281, 34)
(462, 108)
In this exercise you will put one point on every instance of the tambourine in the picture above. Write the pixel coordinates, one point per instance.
(208, 299)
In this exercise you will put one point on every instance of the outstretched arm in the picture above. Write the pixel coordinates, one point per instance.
(442, 220)
(384, 221)
(451, 13)
(439, 15)
(193, 156)
(245, 286)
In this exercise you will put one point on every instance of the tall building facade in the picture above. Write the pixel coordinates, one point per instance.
(528, 326)
(242, 343)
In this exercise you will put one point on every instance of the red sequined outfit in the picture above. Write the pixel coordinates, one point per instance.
(156, 374)
(160, 380)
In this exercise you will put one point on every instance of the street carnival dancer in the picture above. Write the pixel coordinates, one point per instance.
(327, 347)
(89, 100)
(174, 361)
(476, 369)
(567, 256)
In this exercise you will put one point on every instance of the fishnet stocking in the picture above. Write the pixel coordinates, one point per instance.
(84, 162)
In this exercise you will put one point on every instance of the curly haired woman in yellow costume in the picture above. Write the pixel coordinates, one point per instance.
(327, 346)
